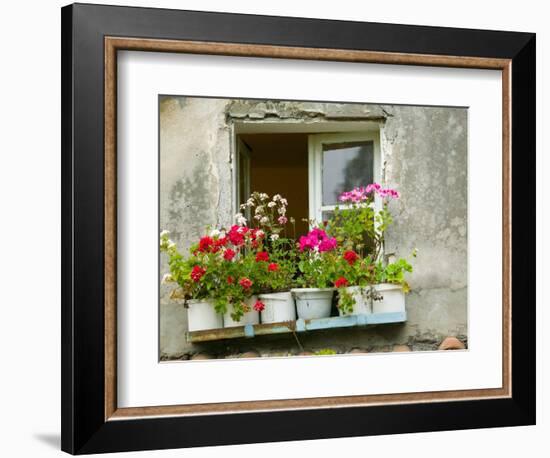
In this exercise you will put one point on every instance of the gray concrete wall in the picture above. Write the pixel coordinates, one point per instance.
(425, 158)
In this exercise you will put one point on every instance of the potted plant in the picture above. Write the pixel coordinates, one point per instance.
(236, 297)
(365, 284)
(316, 262)
(391, 286)
(195, 286)
(276, 278)
(352, 283)
(274, 266)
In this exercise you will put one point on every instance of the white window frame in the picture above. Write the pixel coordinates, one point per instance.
(315, 167)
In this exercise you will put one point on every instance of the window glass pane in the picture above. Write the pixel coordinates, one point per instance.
(345, 166)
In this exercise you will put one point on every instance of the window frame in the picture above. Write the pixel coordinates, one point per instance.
(315, 166)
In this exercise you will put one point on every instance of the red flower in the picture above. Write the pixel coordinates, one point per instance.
(262, 256)
(341, 282)
(245, 283)
(222, 241)
(351, 257)
(230, 280)
(197, 273)
(236, 235)
(229, 254)
(259, 306)
(205, 244)
(273, 267)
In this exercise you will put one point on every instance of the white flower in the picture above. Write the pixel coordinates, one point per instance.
(167, 278)
(274, 237)
(241, 221)
(171, 245)
(284, 201)
(243, 206)
(215, 233)
(271, 204)
(259, 209)
(164, 233)
(250, 202)
(264, 220)
(240, 230)
(257, 216)
(276, 197)
(260, 233)
(282, 211)
(264, 196)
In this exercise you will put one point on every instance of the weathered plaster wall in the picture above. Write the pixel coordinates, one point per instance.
(425, 155)
(426, 159)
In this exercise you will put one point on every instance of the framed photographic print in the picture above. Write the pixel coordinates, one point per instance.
(286, 228)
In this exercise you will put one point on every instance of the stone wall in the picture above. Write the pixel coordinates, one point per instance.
(425, 158)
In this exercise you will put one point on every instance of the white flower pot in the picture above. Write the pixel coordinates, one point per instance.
(393, 298)
(278, 307)
(252, 317)
(202, 315)
(362, 304)
(313, 303)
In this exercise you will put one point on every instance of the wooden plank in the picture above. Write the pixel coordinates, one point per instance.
(300, 325)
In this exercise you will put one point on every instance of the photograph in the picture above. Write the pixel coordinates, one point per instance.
(294, 228)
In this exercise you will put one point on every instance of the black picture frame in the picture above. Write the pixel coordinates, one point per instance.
(84, 428)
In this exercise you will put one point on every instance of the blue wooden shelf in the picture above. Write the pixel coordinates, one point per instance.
(298, 326)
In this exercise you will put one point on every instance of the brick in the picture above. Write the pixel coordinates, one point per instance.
(451, 343)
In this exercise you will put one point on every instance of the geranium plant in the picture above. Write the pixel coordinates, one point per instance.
(276, 269)
(317, 253)
(357, 224)
(360, 227)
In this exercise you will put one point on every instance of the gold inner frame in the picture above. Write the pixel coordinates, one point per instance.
(112, 45)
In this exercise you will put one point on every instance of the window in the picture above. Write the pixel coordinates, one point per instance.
(338, 163)
(310, 168)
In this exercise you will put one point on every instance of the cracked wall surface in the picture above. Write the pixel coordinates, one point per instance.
(424, 156)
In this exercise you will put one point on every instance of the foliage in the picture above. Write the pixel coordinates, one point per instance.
(316, 259)
(325, 352)
(230, 265)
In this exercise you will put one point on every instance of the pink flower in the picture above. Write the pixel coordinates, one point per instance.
(246, 283)
(262, 256)
(364, 193)
(341, 282)
(197, 273)
(229, 254)
(259, 306)
(327, 244)
(319, 233)
(307, 242)
(273, 267)
(282, 219)
(317, 238)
